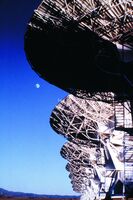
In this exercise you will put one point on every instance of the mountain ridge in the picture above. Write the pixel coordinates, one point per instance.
(8, 193)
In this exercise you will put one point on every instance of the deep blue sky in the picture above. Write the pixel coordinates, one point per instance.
(30, 159)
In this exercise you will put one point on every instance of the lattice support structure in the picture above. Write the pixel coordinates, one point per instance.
(82, 120)
(83, 35)
(102, 149)
(98, 124)
(123, 116)
(112, 20)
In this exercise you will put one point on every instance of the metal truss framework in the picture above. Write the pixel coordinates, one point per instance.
(110, 19)
(82, 160)
(98, 125)
(81, 119)
(105, 24)
(100, 157)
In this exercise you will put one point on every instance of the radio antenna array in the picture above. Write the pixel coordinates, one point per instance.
(85, 47)
(101, 146)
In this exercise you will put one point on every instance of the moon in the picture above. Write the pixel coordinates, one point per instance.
(37, 85)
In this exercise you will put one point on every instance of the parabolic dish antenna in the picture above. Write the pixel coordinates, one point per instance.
(72, 44)
(80, 120)
(85, 47)
(95, 143)
(77, 153)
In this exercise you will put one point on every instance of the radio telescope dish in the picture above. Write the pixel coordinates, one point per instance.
(81, 155)
(96, 176)
(99, 149)
(85, 177)
(77, 39)
(81, 47)
(80, 120)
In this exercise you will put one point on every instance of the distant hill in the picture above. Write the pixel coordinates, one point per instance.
(6, 193)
